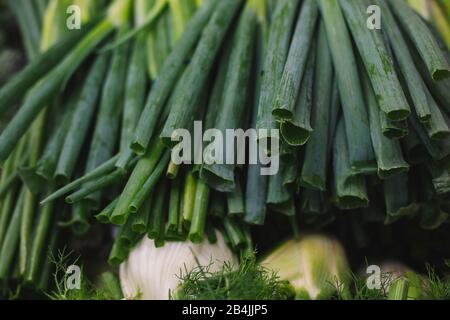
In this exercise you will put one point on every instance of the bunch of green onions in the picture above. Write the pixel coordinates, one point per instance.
(364, 115)
(71, 107)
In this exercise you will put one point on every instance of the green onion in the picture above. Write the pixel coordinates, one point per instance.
(8, 184)
(48, 263)
(276, 54)
(188, 197)
(231, 113)
(29, 25)
(218, 176)
(118, 254)
(393, 129)
(415, 151)
(141, 218)
(167, 77)
(141, 172)
(98, 172)
(26, 227)
(156, 225)
(92, 187)
(147, 187)
(397, 198)
(42, 235)
(11, 240)
(423, 39)
(438, 126)
(350, 190)
(81, 120)
(7, 203)
(278, 192)
(199, 211)
(412, 77)
(439, 150)
(335, 111)
(234, 233)
(388, 152)
(379, 65)
(185, 105)
(298, 131)
(355, 115)
(134, 99)
(117, 11)
(105, 214)
(28, 175)
(256, 186)
(38, 98)
(107, 125)
(235, 200)
(6, 210)
(315, 163)
(158, 45)
(174, 208)
(441, 178)
(439, 89)
(14, 89)
(47, 163)
(291, 171)
(127, 236)
(79, 222)
(285, 103)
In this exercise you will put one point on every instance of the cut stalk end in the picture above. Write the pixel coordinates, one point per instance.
(294, 135)
(398, 115)
(441, 74)
(281, 114)
(118, 220)
(138, 148)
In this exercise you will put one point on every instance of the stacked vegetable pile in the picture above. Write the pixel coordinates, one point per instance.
(72, 108)
(364, 114)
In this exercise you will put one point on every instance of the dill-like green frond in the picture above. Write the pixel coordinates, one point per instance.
(248, 281)
(108, 287)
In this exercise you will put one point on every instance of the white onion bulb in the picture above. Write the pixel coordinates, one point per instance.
(314, 265)
(152, 273)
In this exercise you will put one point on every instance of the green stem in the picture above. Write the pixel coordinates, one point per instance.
(199, 211)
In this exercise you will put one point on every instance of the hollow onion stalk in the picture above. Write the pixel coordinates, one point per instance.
(296, 61)
(38, 98)
(356, 119)
(275, 57)
(296, 132)
(314, 170)
(185, 105)
(232, 111)
(423, 39)
(256, 186)
(388, 152)
(350, 189)
(168, 76)
(379, 65)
